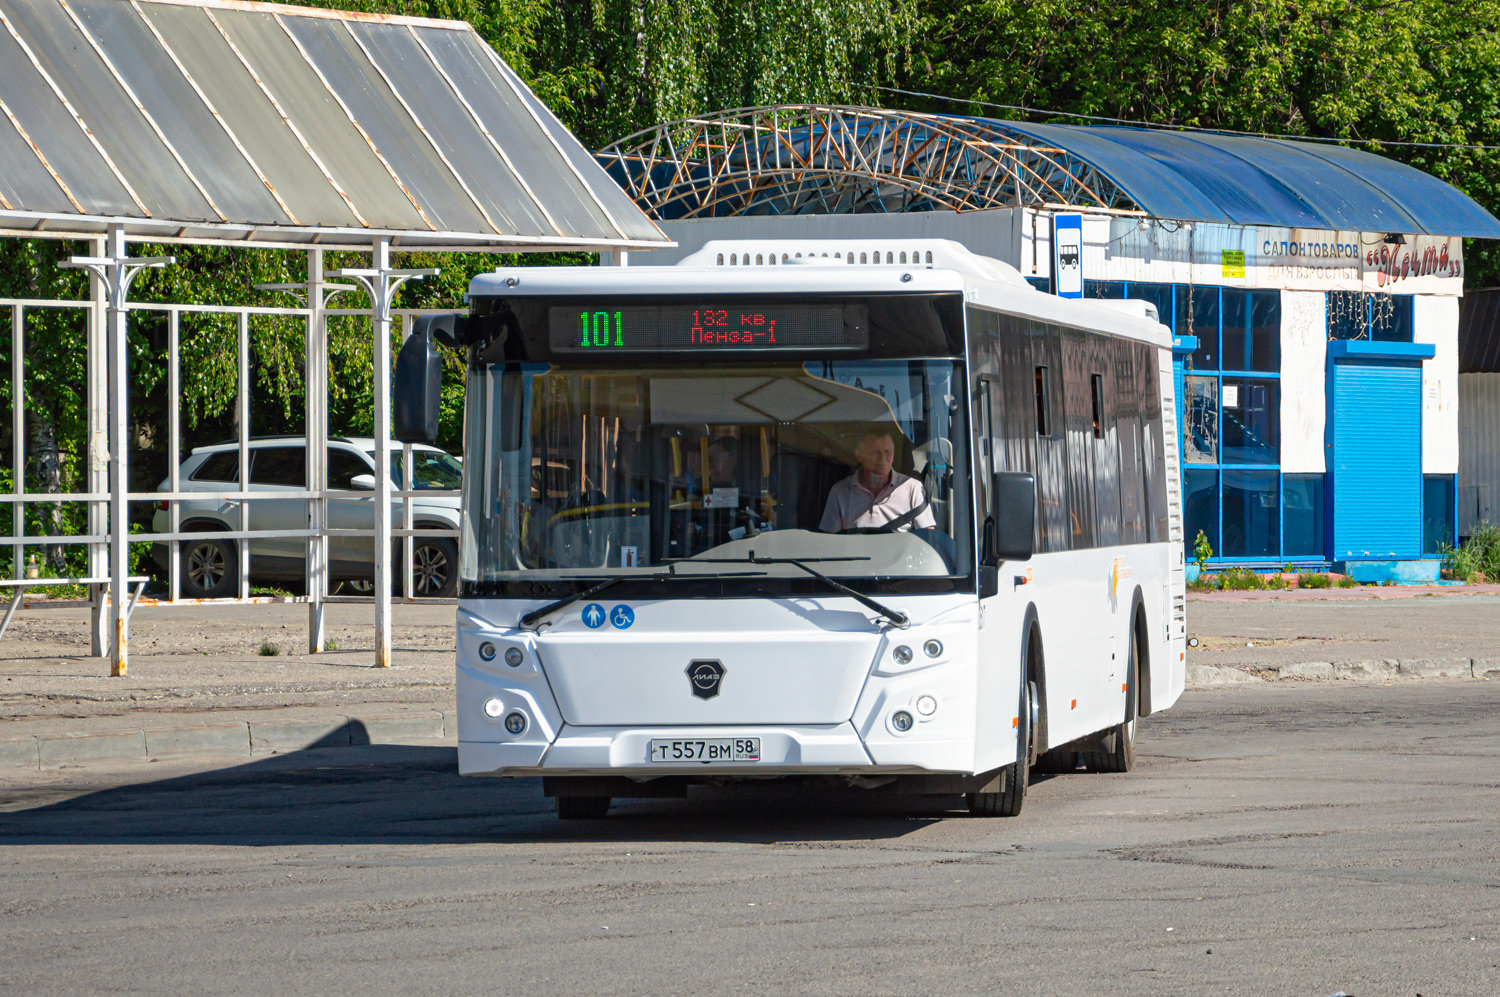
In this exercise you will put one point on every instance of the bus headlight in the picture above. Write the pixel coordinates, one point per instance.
(926, 705)
(933, 648)
(493, 707)
(515, 722)
(902, 721)
(487, 651)
(902, 654)
(514, 656)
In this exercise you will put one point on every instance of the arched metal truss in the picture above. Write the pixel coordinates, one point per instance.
(821, 159)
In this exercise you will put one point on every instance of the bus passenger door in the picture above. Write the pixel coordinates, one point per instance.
(998, 638)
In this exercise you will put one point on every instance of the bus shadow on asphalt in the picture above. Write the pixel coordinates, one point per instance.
(332, 792)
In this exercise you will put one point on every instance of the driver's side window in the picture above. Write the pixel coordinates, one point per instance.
(343, 467)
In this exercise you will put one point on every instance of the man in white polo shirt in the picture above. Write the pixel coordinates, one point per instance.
(876, 495)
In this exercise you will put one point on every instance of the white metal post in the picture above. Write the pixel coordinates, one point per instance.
(174, 451)
(381, 283)
(381, 317)
(115, 271)
(408, 542)
(18, 440)
(242, 416)
(98, 452)
(316, 367)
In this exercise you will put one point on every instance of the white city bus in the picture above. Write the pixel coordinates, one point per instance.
(657, 589)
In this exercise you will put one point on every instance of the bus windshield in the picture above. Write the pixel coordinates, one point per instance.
(584, 474)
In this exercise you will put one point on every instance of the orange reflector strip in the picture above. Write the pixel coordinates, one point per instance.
(1015, 721)
(1124, 687)
(1075, 705)
(1181, 655)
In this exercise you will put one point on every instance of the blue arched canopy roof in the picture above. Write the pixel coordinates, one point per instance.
(817, 159)
(1243, 180)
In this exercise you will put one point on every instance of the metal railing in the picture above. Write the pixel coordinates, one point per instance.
(236, 497)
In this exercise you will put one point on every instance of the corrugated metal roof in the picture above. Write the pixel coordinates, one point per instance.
(1244, 180)
(1479, 332)
(275, 125)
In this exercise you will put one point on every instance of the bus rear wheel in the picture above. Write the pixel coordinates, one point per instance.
(582, 807)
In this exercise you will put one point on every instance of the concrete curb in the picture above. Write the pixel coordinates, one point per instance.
(241, 738)
(1384, 670)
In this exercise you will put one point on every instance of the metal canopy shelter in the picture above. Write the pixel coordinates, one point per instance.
(803, 159)
(258, 124)
(246, 122)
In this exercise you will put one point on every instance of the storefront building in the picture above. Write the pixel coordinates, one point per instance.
(1313, 295)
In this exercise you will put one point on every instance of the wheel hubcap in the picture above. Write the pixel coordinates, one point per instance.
(206, 566)
(430, 565)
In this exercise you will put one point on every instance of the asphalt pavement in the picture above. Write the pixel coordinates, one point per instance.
(1275, 838)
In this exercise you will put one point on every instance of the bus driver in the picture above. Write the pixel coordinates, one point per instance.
(877, 495)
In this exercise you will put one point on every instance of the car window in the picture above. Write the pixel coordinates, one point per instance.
(343, 465)
(434, 469)
(279, 466)
(222, 466)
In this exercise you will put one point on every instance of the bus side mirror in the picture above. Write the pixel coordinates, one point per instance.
(419, 385)
(1013, 520)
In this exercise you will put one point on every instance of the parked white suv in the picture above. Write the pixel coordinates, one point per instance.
(280, 464)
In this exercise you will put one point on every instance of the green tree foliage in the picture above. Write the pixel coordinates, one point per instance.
(1372, 73)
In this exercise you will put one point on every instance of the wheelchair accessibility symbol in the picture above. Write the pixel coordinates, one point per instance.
(593, 616)
(622, 617)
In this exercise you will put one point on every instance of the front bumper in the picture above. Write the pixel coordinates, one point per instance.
(835, 748)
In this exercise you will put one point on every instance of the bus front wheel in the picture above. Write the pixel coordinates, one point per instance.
(1116, 749)
(1011, 794)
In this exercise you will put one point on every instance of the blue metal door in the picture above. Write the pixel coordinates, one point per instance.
(1376, 459)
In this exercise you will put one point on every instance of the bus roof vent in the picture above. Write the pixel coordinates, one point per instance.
(942, 254)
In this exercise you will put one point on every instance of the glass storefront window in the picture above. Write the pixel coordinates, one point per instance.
(1251, 507)
(1384, 318)
(1437, 512)
(1302, 515)
(1251, 420)
(1198, 315)
(1200, 508)
(1390, 318)
(1200, 431)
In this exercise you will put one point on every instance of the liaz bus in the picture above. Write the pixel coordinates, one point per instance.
(880, 513)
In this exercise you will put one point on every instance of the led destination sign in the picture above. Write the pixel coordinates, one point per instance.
(707, 326)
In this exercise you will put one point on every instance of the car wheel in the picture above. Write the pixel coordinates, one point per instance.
(209, 569)
(434, 567)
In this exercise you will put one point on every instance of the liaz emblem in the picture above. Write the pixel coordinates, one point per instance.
(705, 678)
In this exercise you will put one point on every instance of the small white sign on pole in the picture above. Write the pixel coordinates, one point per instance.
(1067, 255)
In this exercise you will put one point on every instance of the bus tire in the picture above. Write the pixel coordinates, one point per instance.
(1011, 795)
(582, 807)
(1116, 749)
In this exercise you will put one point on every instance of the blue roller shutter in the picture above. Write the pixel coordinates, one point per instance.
(1376, 464)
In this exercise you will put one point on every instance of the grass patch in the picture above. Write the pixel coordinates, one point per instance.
(1348, 583)
(1312, 580)
(269, 650)
(330, 644)
(1477, 556)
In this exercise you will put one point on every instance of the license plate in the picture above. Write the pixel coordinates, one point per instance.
(705, 749)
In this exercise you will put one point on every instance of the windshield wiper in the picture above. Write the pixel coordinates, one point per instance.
(897, 618)
(527, 619)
